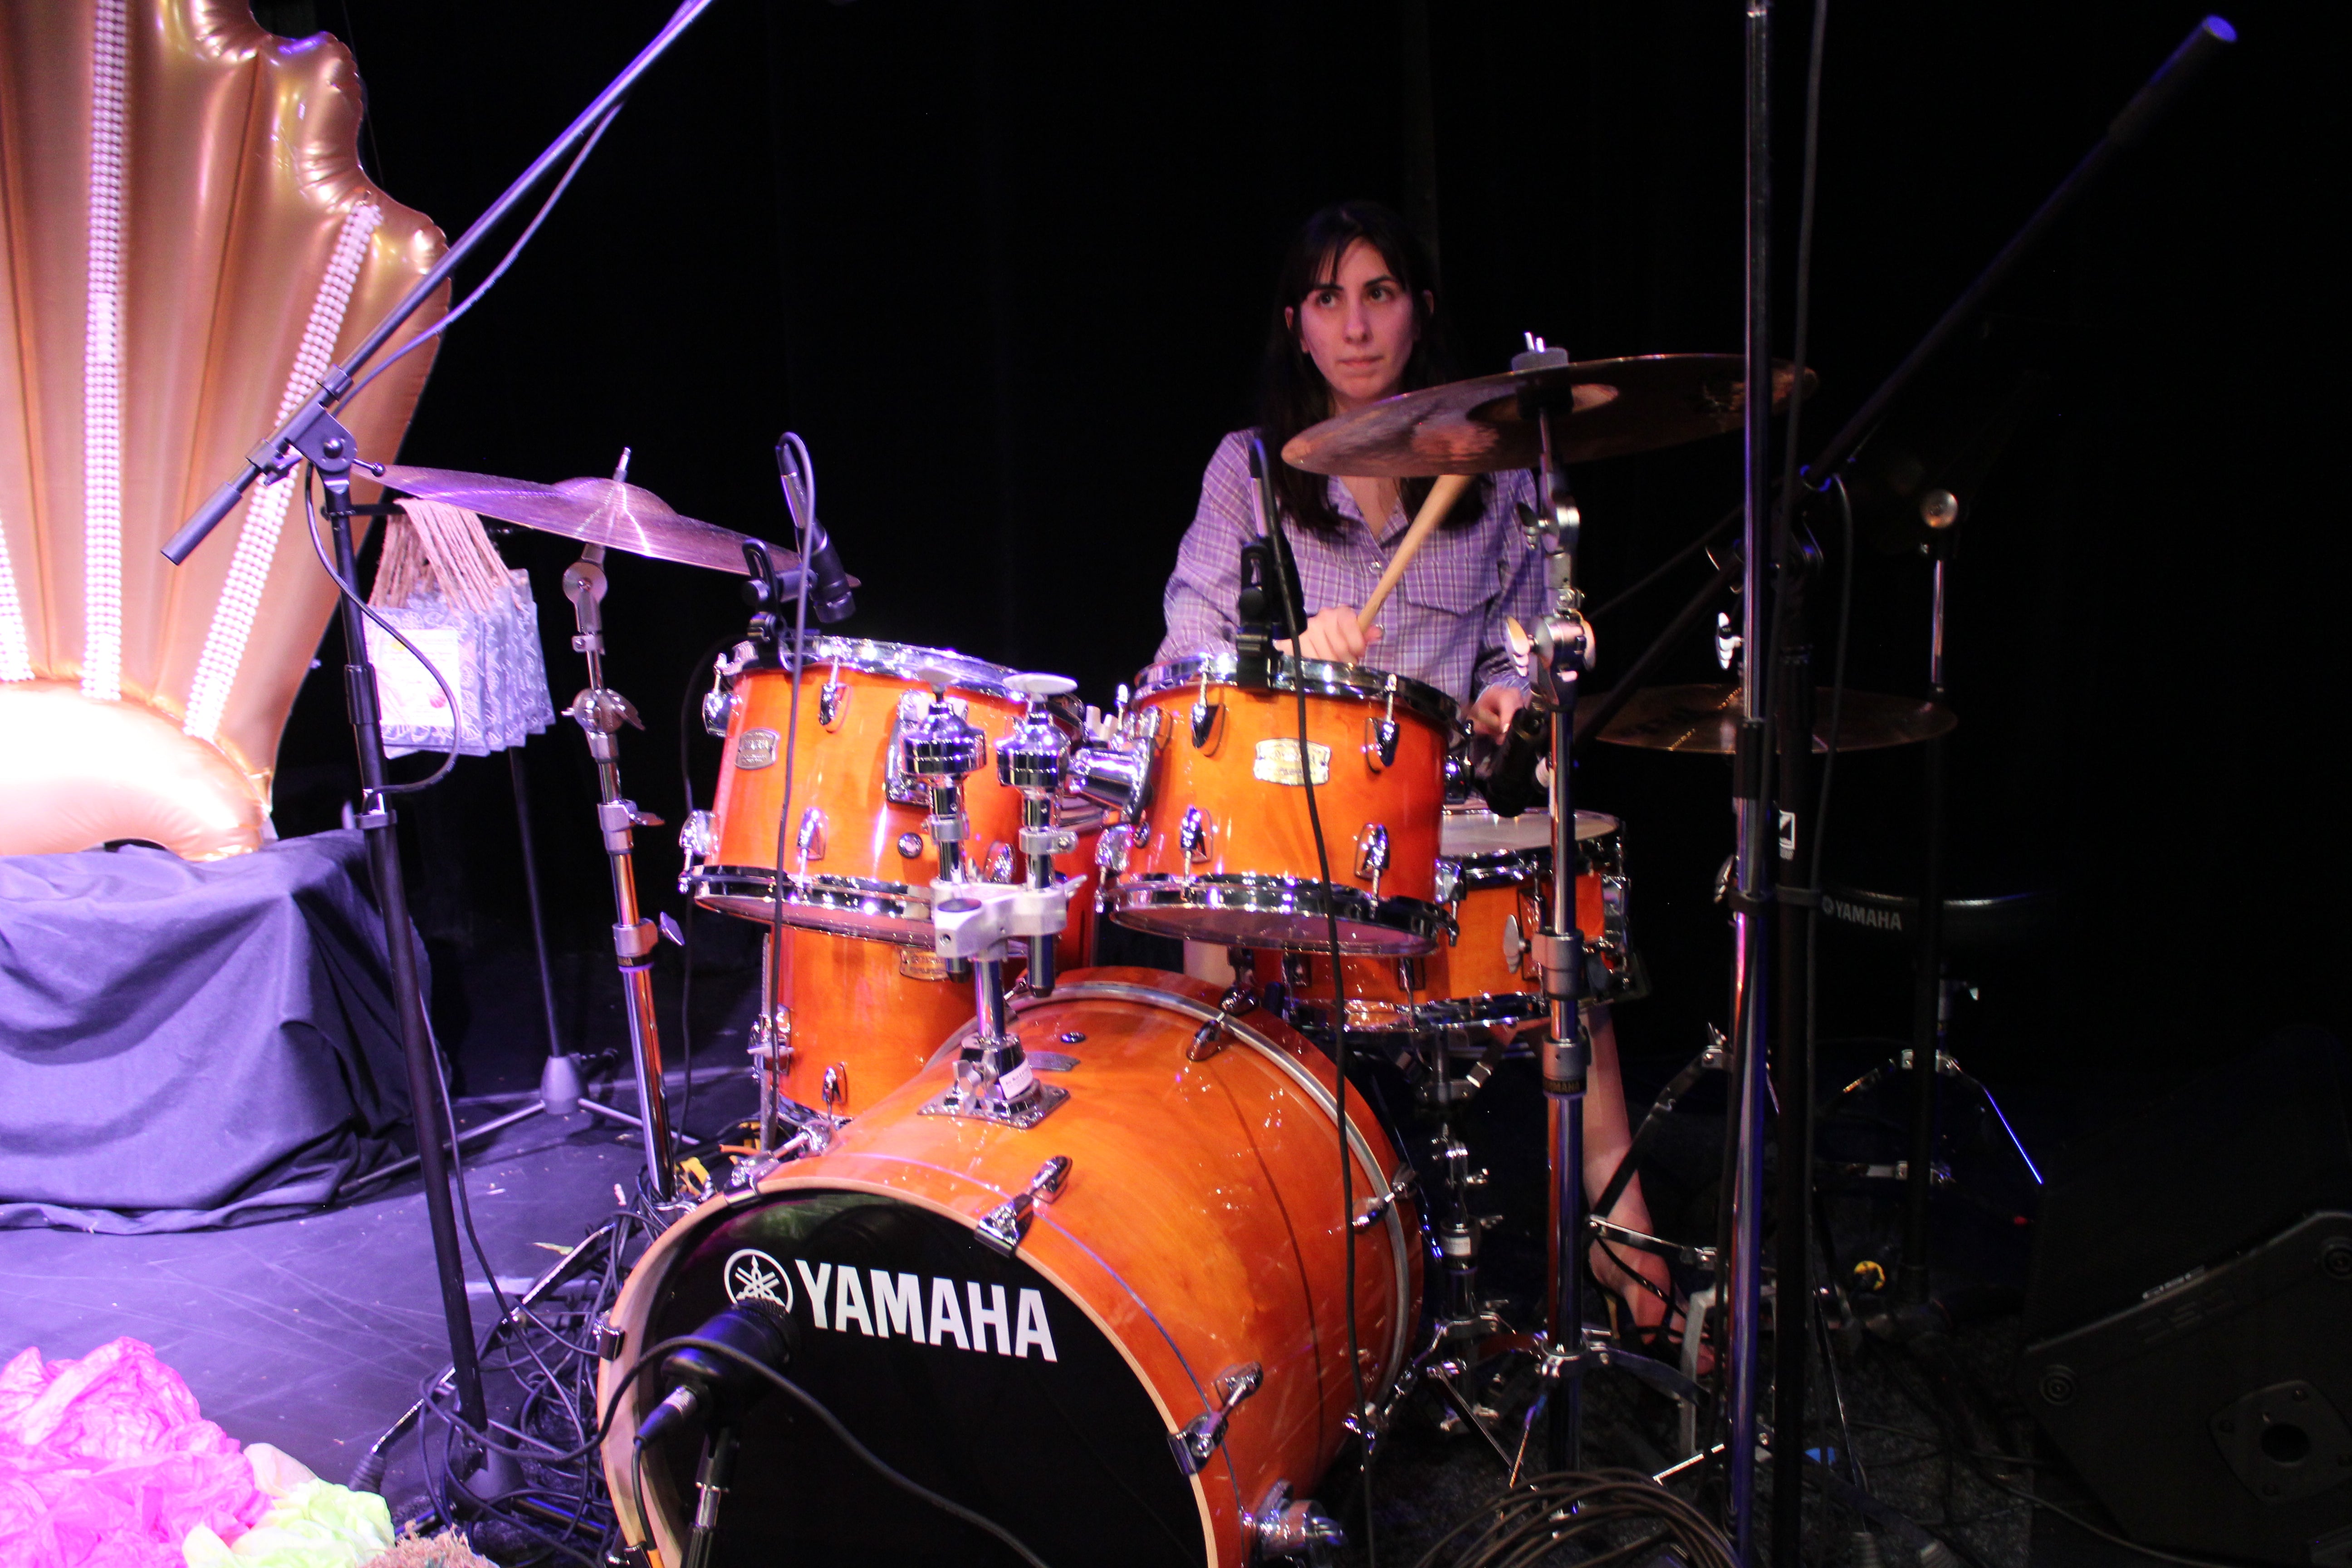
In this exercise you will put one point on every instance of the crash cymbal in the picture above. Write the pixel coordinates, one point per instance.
(610, 512)
(1706, 718)
(1473, 427)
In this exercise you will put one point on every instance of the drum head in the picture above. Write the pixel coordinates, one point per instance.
(970, 1373)
(908, 662)
(1472, 831)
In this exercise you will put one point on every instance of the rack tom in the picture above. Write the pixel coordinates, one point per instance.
(857, 858)
(1222, 850)
(1496, 873)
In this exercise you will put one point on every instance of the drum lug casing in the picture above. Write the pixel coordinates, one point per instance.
(1373, 854)
(1208, 725)
(1196, 834)
(831, 697)
(1193, 1446)
(1380, 742)
(698, 838)
(1287, 1530)
(1002, 1228)
(718, 708)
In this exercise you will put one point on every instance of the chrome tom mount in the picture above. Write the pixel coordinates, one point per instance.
(975, 921)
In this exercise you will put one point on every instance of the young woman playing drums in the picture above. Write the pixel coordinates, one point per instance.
(1356, 320)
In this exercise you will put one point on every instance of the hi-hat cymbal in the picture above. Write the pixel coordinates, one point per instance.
(1622, 406)
(610, 512)
(1707, 718)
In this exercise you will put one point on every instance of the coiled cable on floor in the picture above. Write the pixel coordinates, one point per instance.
(1612, 1516)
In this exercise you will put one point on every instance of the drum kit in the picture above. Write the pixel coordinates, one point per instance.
(1033, 1219)
(1112, 1253)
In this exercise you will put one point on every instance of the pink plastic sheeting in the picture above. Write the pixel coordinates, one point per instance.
(106, 1462)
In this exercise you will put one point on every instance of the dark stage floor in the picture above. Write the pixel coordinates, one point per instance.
(313, 1334)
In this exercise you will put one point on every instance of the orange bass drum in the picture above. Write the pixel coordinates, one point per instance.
(1148, 1366)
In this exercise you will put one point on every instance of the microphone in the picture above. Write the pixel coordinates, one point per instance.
(829, 595)
(1507, 775)
(715, 1390)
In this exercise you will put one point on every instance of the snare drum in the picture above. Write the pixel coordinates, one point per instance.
(1498, 872)
(1224, 851)
(1148, 1364)
(857, 861)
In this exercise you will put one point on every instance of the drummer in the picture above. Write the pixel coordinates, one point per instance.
(1355, 321)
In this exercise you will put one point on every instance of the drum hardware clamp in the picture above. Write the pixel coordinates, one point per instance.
(1002, 1228)
(1204, 1432)
(1210, 1036)
(1283, 1527)
(975, 923)
(1373, 1208)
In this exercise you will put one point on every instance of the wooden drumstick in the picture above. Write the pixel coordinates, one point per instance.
(1441, 497)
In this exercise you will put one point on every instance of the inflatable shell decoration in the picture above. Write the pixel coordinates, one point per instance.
(186, 241)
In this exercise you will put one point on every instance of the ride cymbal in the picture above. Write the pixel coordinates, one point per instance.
(1621, 406)
(1707, 718)
(610, 512)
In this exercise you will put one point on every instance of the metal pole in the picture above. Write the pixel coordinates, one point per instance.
(1927, 972)
(1753, 870)
(429, 1113)
(336, 384)
(600, 713)
(1792, 1066)
(531, 885)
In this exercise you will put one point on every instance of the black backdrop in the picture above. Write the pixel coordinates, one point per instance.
(1005, 266)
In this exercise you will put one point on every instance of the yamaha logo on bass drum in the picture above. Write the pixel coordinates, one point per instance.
(880, 1303)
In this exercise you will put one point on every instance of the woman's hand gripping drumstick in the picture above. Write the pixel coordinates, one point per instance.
(1341, 634)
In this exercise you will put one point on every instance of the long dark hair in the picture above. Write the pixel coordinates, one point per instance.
(1292, 394)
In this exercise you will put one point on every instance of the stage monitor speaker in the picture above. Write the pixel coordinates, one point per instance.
(2189, 1319)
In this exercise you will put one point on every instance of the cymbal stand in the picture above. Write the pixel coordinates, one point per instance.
(600, 713)
(1560, 654)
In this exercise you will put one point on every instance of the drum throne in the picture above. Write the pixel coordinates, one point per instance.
(186, 241)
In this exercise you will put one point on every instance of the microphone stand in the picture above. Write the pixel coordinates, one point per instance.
(330, 456)
(1751, 892)
(313, 433)
(1752, 889)
(314, 422)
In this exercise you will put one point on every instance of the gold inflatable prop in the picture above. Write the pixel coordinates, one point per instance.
(186, 241)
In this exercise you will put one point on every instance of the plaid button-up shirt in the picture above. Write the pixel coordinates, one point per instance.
(1444, 624)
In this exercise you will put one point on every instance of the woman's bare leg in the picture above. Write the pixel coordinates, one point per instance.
(1607, 1137)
